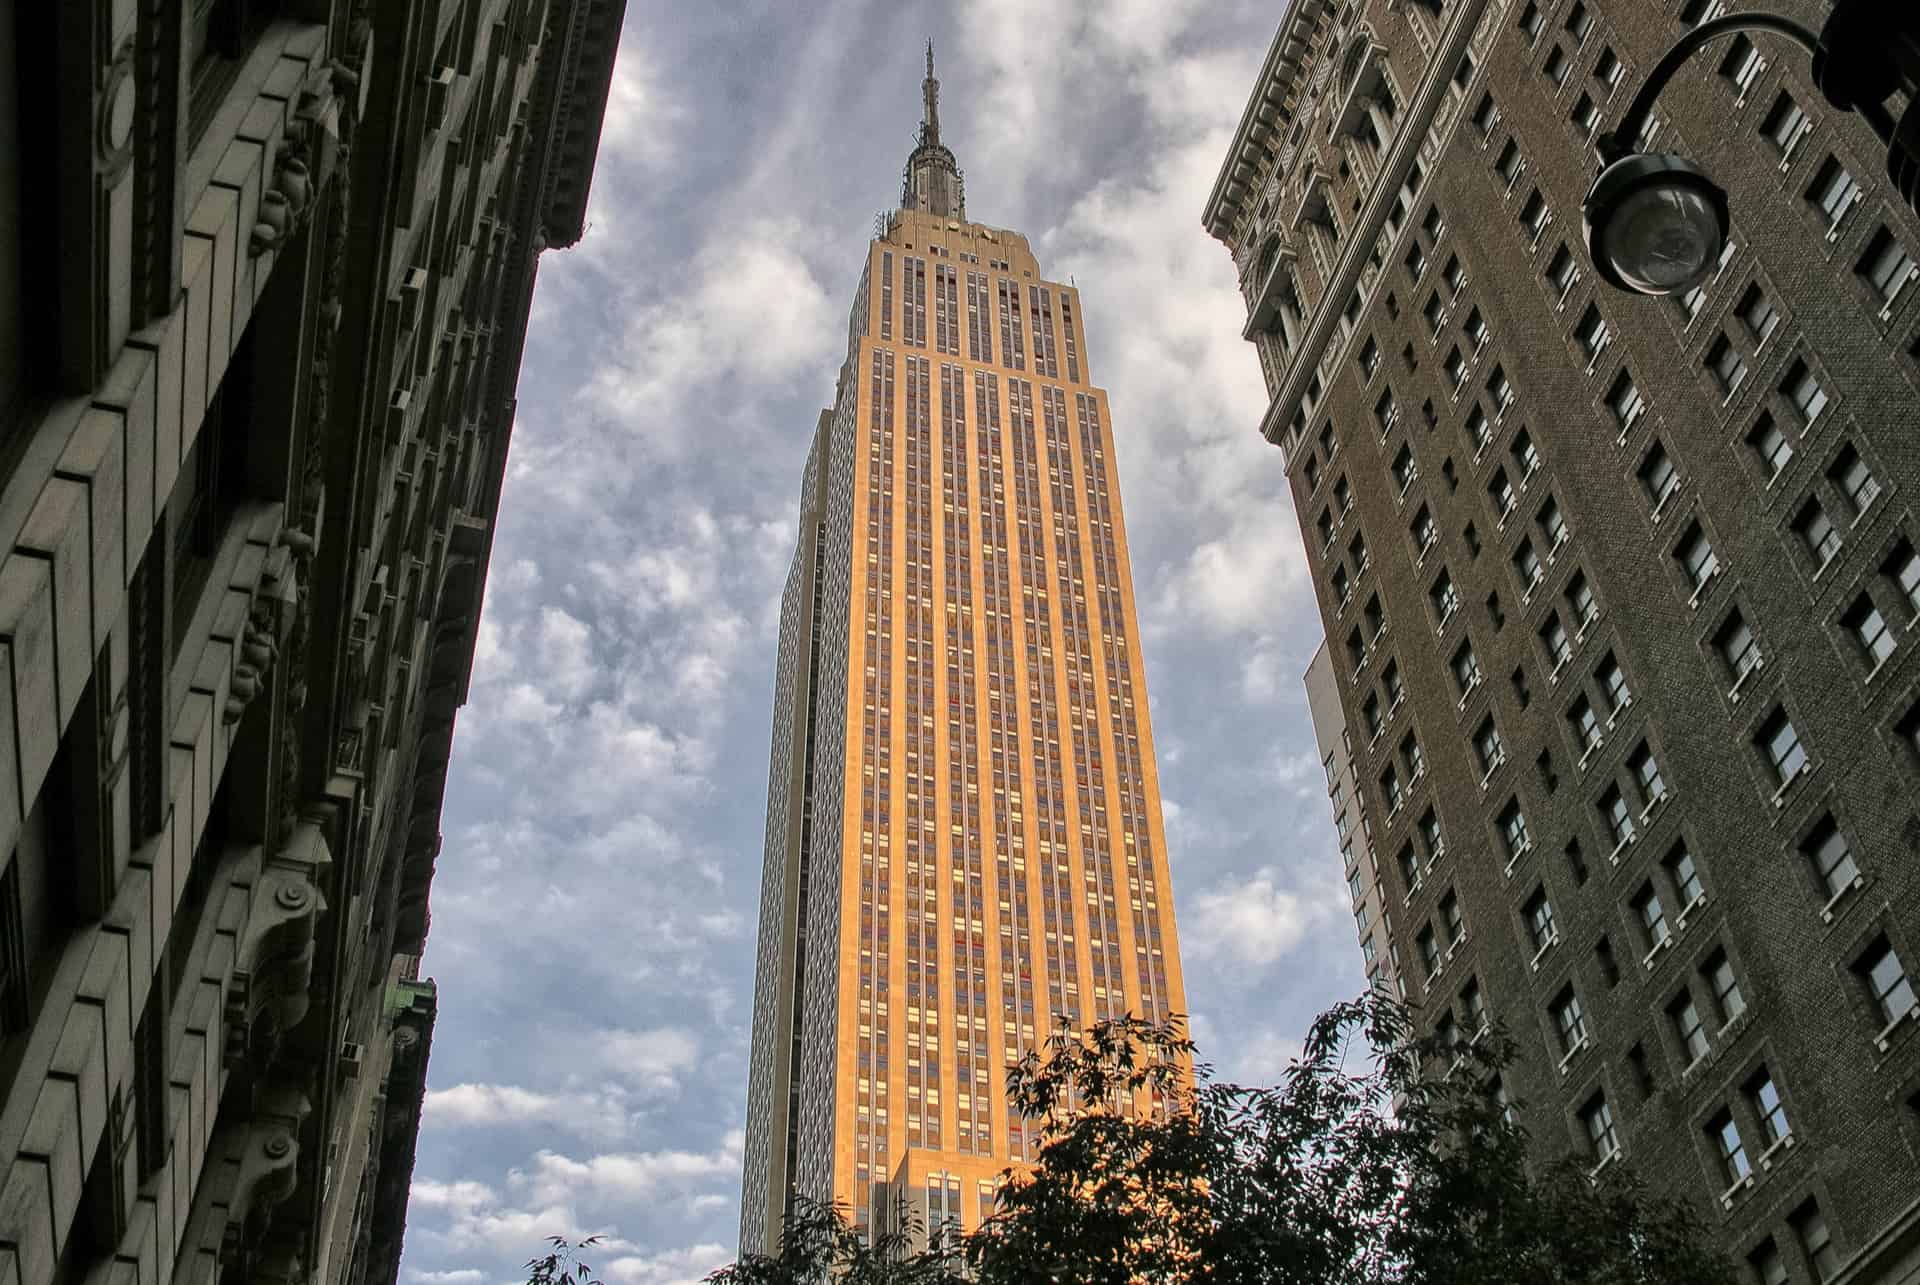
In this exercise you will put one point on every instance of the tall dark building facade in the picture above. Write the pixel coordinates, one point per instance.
(964, 838)
(264, 278)
(1620, 594)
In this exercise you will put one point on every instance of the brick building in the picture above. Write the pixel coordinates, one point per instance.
(1620, 594)
(264, 286)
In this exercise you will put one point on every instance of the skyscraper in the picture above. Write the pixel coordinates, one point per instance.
(963, 824)
(1621, 597)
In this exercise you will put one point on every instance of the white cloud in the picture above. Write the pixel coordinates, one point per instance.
(453, 1276)
(461, 1195)
(496, 1105)
(669, 1267)
(656, 1057)
(628, 1176)
(1254, 921)
(640, 122)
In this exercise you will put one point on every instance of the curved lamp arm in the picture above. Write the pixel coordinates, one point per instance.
(1619, 143)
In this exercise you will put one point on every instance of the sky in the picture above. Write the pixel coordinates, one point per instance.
(594, 907)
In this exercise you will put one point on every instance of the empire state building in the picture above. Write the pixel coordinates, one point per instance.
(964, 843)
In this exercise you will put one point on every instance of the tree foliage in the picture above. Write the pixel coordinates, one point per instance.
(1378, 1160)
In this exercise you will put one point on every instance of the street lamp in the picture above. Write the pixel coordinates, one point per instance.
(1655, 223)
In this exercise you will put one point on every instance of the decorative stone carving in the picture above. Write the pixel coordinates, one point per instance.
(263, 1155)
(273, 966)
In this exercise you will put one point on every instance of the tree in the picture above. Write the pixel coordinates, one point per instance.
(1378, 1160)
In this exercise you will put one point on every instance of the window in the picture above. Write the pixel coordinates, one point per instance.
(1616, 817)
(1404, 469)
(1445, 598)
(1476, 329)
(1425, 532)
(1369, 359)
(1500, 389)
(1833, 192)
(1429, 828)
(1607, 69)
(1696, 558)
(1868, 629)
(1451, 920)
(1585, 724)
(1743, 64)
(1433, 222)
(1652, 917)
(1342, 589)
(1429, 947)
(1510, 164)
(1553, 637)
(1764, 1098)
(1781, 744)
(1759, 314)
(1533, 216)
(1903, 568)
(1728, 367)
(1624, 400)
(1538, 913)
(1376, 619)
(1370, 715)
(1526, 457)
(1323, 525)
(1770, 446)
(1592, 333)
(1785, 124)
(1563, 273)
(1454, 275)
(1803, 388)
(1552, 526)
(1725, 1135)
(1570, 1020)
(1456, 367)
(1687, 1027)
(1831, 857)
(1579, 23)
(1658, 478)
(1410, 755)
(1816, 1241)
(1690, 303)
(1434, 311)
(1409, 867)
(1486, 745)
(1646, 775)
(1718, 973)
(1585, 115)
(1357, 552)
(1887, 981)
(1416, 261)
(1392, 794)
(1817, 532)
(1386, 413)
(1886, 266)
(1531, 22)
(1768, 1267)
(1581, 602)
(1486, 114)
(1390, 681)
(1555, 67)
(1466, 669)
(1513, 829)
(1850, 473)
(1527, 565)
(1737, 647)
(1500, 491)
(1597, 1118)
(1343, 495)
(1473, 1006)
(1686, 879)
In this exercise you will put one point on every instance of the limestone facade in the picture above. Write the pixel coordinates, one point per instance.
(267, 268)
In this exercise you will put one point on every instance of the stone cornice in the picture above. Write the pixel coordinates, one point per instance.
(1286, 56)
(1434, 86)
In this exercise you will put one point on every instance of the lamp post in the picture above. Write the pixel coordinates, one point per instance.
(1655, 222)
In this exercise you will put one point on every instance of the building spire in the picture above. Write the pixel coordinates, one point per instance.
(933, 181)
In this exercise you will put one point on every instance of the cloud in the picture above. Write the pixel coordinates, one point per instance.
(461, 1195)
(1253, 921)
(669, 1267)
(627, 1176)
(498, 1105)
(454, 1276)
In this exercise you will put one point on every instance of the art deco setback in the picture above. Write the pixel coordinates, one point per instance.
(1619, 695)
(267, 270)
